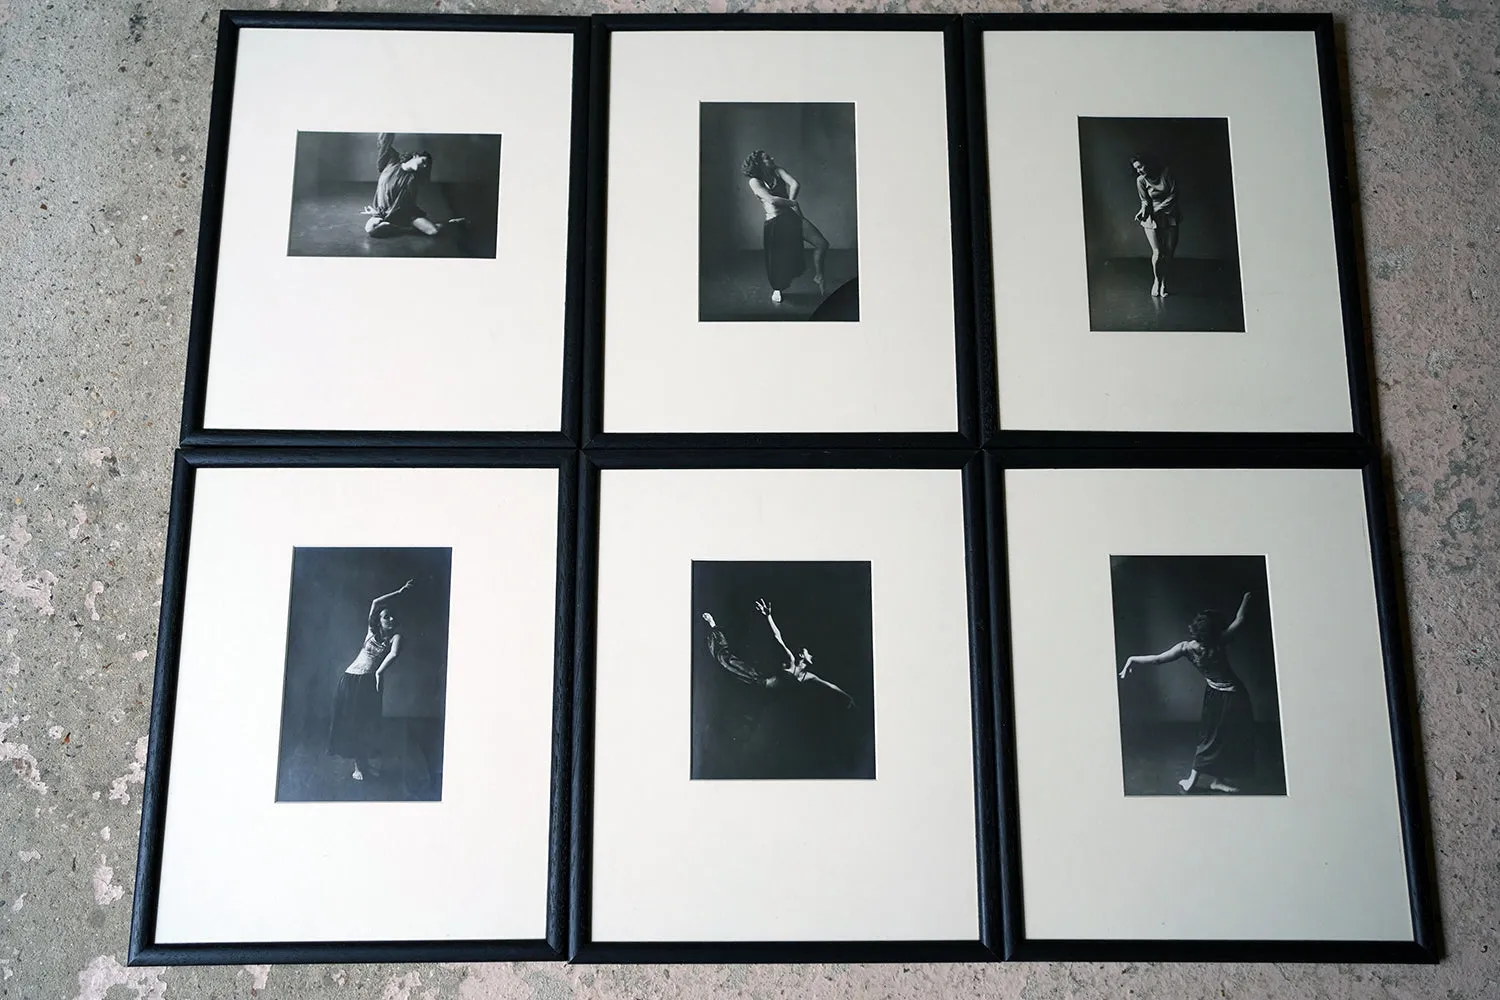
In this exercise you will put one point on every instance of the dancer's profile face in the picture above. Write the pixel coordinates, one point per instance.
(1140, 168)
(387, 620)
(415, 163)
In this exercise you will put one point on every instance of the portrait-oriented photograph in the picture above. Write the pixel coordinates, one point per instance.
(388, 194)
(1196, 669)
(1159, 225)
(783, 670)
(363, 705)
(778, 235)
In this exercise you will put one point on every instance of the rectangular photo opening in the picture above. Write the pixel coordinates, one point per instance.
(1199, 712)
(363, 706)
(367, 194)
(1159, 225)
(783, 672)
(778, 220)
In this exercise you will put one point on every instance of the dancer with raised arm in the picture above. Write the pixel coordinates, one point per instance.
(794, 669)
(786, 228)
(401, 175)
(1225, 754)
(1159, 216)
(355, 730)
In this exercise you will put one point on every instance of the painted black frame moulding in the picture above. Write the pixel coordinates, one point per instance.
(144, 948)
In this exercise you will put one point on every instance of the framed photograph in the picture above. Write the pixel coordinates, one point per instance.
(1162, 226)
(1210, 752)
(361, 704)
(392, 236)
(784, 748)
(806, 271)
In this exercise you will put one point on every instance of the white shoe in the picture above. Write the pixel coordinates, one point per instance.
(357, 775)
(775, 295)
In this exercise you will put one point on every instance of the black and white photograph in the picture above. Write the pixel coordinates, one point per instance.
(778, 235)
(1159, 225)
(388, 194)
(1197, 676)
(363, 705)
(783, 670)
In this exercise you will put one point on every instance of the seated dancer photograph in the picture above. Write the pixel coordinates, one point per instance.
(791, 670)
(1225, 755)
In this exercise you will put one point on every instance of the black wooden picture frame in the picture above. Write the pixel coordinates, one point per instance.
(1342, 188)
(144, 948)
(583, 948)
(195, 388)
(594, 435)
(1425, 945)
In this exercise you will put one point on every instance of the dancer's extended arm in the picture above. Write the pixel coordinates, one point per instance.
(808, 675)
(1150, 661)
(1239, 617)
(764, 607)
(386, 152)
(383, 600)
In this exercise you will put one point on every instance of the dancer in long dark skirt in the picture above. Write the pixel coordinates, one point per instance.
(787, 228)
(1225, 755)
(395, 209)
(355, 730)
(794, 668)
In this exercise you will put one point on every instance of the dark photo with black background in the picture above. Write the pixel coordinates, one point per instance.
(1159, 225)
(366, 675)
(387, 194)
(783, 670)
(1197, 676)
(778, 220)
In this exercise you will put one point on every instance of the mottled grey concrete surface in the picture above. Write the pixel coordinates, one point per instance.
(103, 115)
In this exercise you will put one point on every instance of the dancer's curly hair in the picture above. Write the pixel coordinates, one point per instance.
(1208, 627)
(1151, 162)
(754, 165)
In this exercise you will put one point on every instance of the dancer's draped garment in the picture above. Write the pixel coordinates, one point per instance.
(1226, 727)
(782, 238)
(396, 189)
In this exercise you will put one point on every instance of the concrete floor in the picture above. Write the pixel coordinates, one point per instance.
(103, 114)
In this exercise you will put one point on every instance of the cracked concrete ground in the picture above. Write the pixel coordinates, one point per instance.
(103, 115)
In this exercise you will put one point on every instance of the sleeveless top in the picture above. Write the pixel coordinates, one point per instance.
(1213, 663)
(1161, 195)
(370, 654)
(777, 188)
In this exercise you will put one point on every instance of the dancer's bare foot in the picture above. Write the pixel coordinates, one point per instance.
(818, 280)
(775, 295)
(1186, 784)
(1163, 289)
(358, 775)
(1155, 288)
(1216, 785)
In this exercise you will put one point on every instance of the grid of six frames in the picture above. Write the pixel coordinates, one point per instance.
(694, 512)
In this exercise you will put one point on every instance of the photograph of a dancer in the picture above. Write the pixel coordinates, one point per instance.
(778, 219)
(362, 719)
(1197, 676)
(783, 670)
(358, 194)
(1159, 225)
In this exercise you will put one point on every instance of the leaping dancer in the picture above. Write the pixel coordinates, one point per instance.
(794, 669)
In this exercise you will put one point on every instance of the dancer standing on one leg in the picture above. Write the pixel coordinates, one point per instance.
(355, 730)
(401, 175)
(795, 668)
(1226, 729)
(1159, 217)
(786, 228)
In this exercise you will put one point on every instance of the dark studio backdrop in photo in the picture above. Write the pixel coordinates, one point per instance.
(331, 591)
(815, 143)
(334, 179)
(1155, 599)
(1205, 290)
(792, 730)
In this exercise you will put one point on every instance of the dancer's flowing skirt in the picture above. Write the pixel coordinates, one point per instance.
(355, 730)
(783, 243)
